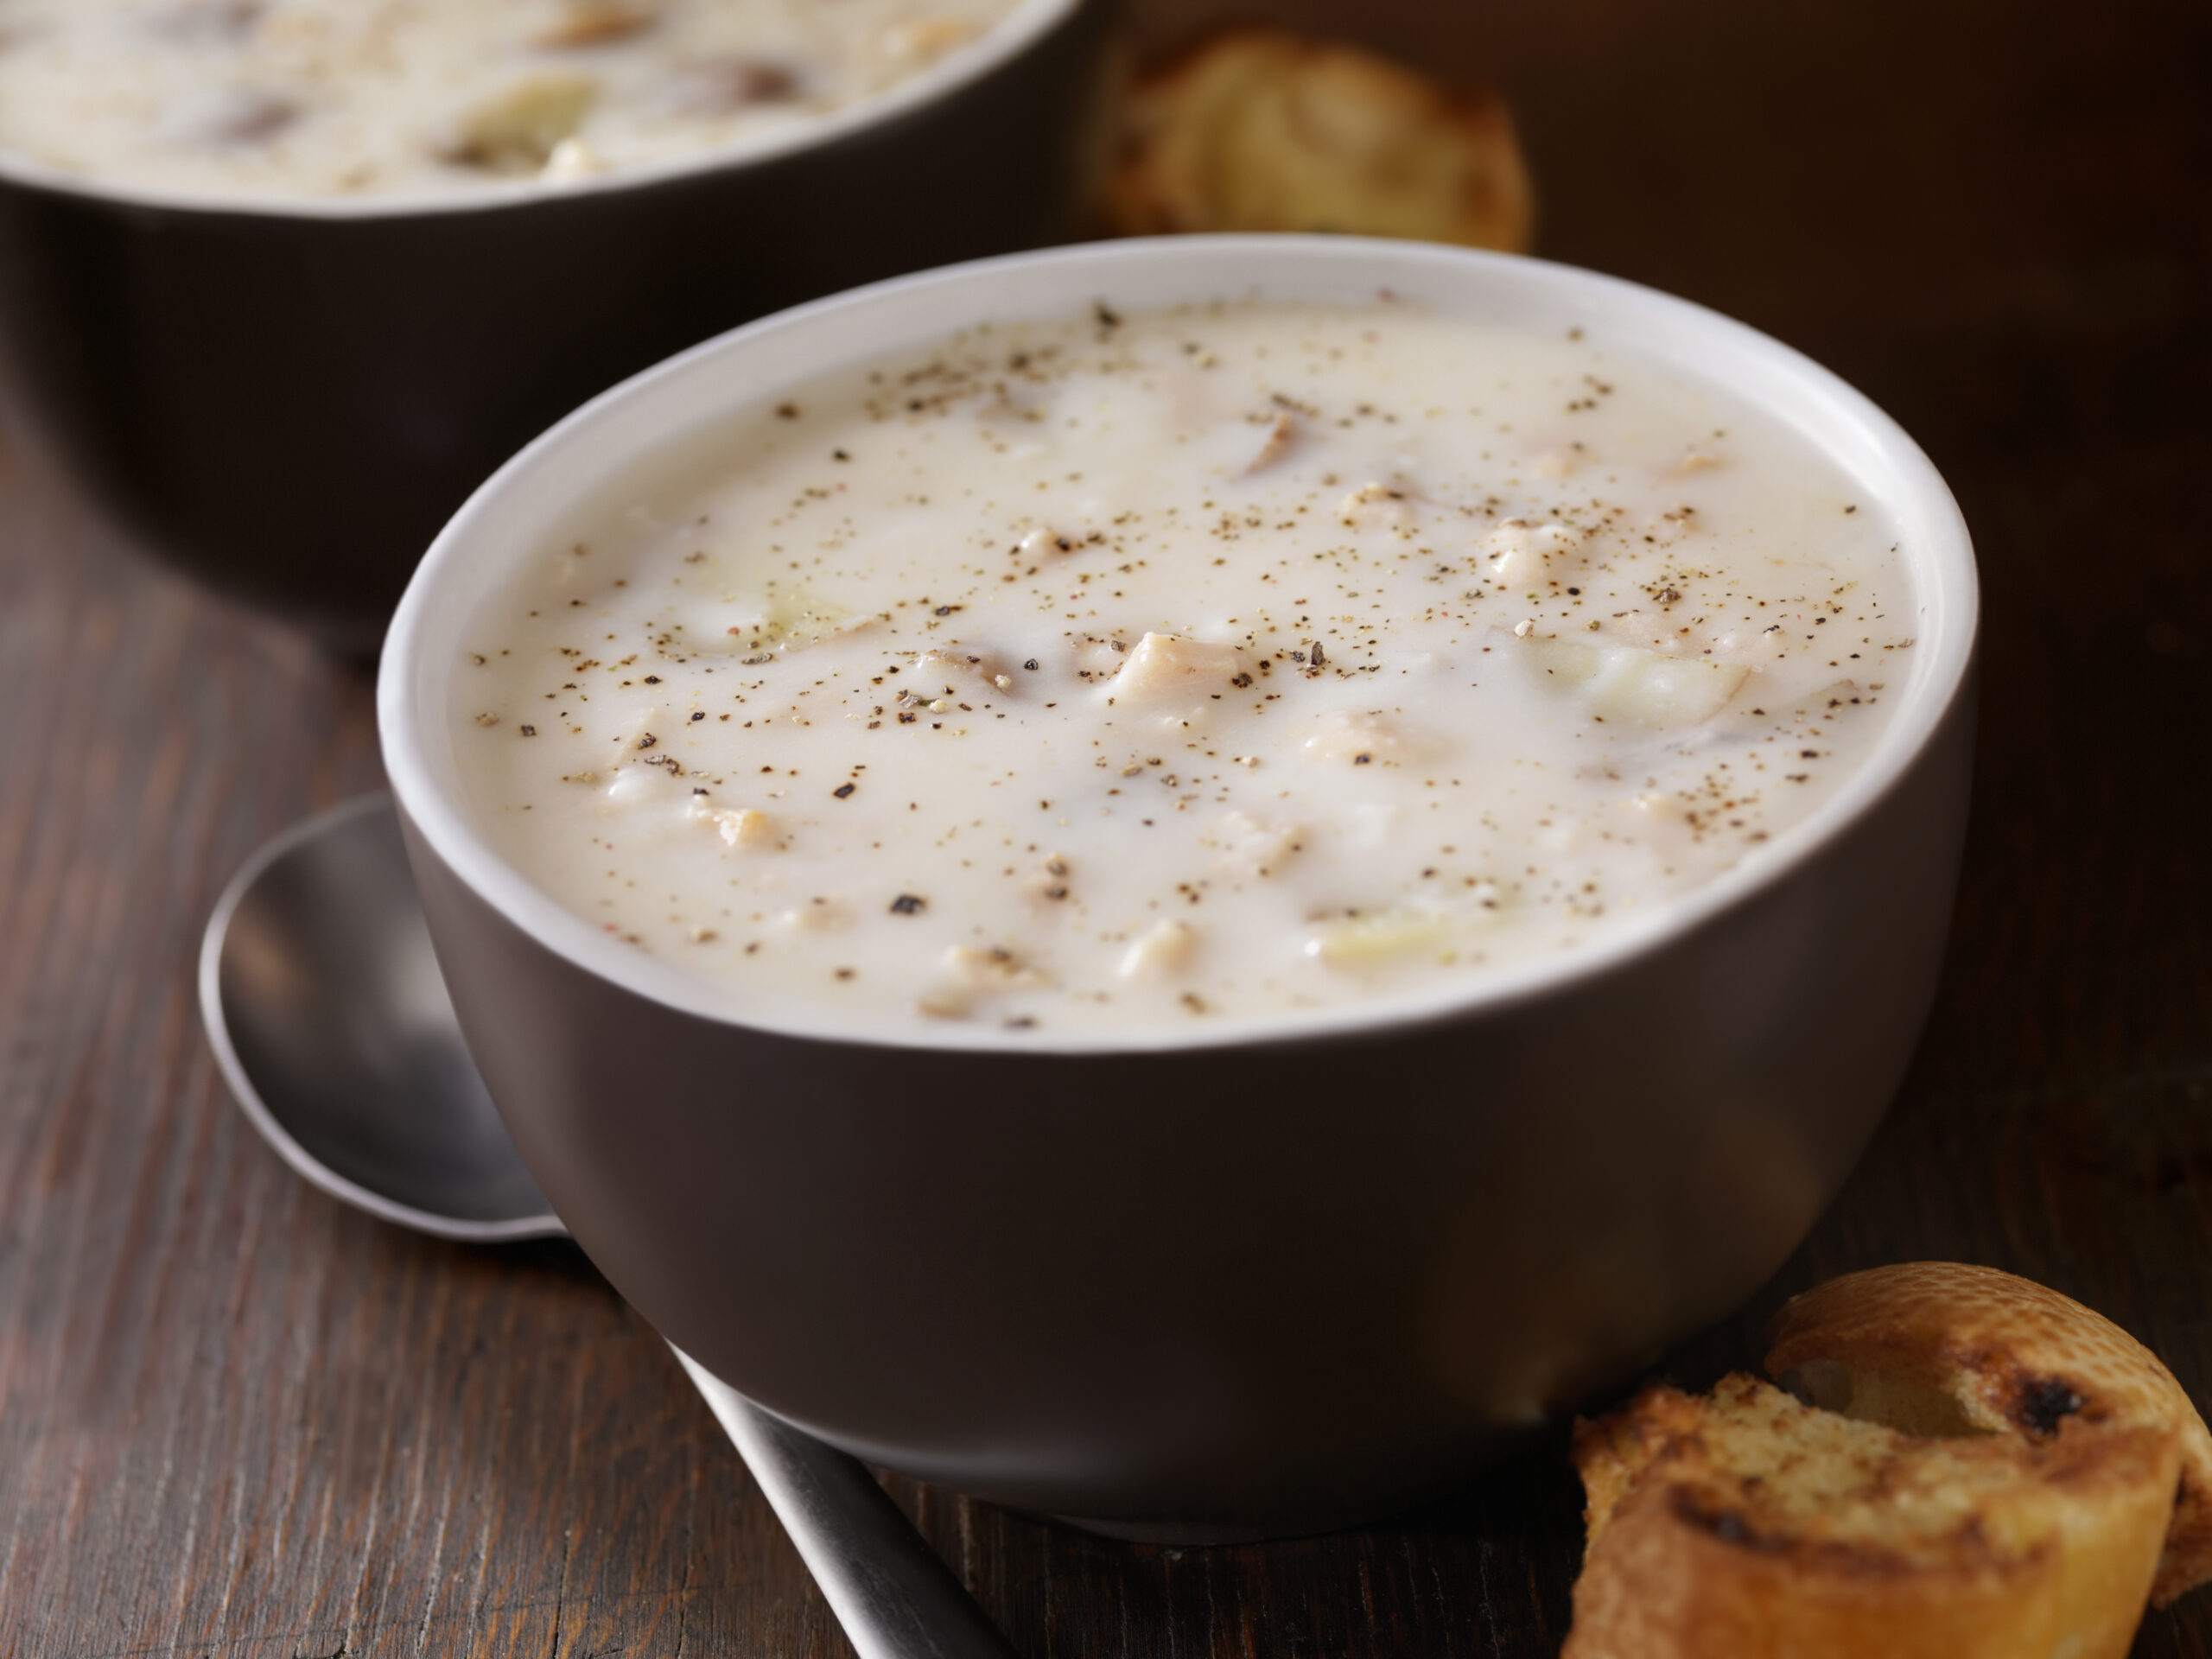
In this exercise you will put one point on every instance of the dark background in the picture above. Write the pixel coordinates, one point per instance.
(238, 1420)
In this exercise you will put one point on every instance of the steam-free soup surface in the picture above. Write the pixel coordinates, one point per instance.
(1158, 668)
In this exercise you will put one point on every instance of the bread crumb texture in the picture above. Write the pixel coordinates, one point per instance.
(1986, 1469)
(1260, 130)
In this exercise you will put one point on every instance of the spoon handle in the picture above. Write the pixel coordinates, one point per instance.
(894, 1597)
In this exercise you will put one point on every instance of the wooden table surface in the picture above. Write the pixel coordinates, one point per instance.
(238, 1420)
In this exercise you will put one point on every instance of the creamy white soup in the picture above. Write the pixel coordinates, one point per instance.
(1170, 667)
(323, 98)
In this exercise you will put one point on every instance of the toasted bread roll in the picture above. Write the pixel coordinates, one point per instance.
(1942, 1348)
(1744, 1525)
(1256, 129)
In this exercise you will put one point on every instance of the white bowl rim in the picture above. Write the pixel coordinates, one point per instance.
(1027, 23)
(412, 689)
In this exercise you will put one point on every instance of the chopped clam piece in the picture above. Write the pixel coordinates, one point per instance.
(923, 39)
(1638, 687)
(1518, 552)
(1245, 846)
(1163, 665)
(1370, 737)
(1388, 504)
(742, 826)
(1162, 949)
(1042, 540)
(971, 973)
(597, 23)
(517, 132)
(1274, 447)
(572, 158)
(991, 969)
(946, 1003)
(724, 85)
(1372, 940)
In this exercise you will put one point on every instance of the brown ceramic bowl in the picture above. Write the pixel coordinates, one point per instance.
(289, 399)
(1258, 1276)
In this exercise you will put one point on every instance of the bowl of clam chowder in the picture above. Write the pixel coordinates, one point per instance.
(1186, 884)
(282, 281)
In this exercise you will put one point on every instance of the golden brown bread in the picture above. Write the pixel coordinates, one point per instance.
(1257, 129)
(1943, 1348)
(1988, 1470)
(1744, 1523)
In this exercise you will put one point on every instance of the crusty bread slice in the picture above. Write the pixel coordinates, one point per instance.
(1943, 1348)
(1258, 129)
(1744, 1525)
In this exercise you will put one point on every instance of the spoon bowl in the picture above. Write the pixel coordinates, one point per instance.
(326, 1009)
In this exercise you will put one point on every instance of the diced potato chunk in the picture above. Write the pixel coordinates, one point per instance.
(629, 786)
(1636, 687)
(1370, 941)
(955, 670)
(783, 623)
(1162, 949)
(1163, 665)
(518, 131)
(1519, 551)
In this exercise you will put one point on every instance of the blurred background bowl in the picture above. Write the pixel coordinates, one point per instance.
(1262, 1276)
(287, 399)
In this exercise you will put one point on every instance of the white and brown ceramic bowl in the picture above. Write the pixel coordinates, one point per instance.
(1253, 1277)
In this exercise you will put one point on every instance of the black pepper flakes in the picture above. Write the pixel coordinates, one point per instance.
(908, 903)
(843, 791)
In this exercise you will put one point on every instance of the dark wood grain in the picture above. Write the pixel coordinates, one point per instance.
(238, 1420)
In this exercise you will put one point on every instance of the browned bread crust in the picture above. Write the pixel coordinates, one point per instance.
(1744, 1524)
(1258, 129)
(1944, 1347)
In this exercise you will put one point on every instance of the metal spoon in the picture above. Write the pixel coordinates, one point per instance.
(327, 1015)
